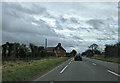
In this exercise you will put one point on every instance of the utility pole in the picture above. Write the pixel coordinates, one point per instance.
(45, 44)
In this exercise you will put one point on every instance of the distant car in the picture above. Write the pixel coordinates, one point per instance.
(78, 57)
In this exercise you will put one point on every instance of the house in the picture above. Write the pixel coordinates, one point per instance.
(0, 50)
(58, 50)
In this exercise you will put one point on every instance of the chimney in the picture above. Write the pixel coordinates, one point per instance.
(59, 44)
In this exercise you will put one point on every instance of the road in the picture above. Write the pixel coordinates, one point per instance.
(86, 70)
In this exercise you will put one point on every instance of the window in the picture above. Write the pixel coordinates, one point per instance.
(58, 51)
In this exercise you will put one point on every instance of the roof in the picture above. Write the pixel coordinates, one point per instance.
(60, 47)
(63, 48)
(50, 48)
(53, 48)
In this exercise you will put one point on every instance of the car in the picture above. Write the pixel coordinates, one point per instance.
(78, 57)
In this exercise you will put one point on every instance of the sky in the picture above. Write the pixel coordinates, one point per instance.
(76, 25)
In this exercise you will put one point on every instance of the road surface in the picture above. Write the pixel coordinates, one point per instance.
(86, 70)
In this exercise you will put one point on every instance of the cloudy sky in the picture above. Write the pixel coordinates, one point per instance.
(76, 25)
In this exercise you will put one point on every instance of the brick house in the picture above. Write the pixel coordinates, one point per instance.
(0, 50)
(58, 50)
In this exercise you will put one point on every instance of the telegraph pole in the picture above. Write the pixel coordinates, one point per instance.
(45, 44)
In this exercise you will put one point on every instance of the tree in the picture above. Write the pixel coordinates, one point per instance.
(10, 49)
(88, 53)
(4, 50)
(93, 48)
(16, 51)
(112, 50)
(32, 49)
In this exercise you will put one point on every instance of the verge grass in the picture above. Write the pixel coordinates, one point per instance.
(20, 71)
(109, 59)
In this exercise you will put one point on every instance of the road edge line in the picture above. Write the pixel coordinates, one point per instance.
(50, 70)
(113, 73)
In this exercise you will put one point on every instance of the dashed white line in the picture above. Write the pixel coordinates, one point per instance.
(64, 69)
(113, 73)
(93, 63)
(69, 62)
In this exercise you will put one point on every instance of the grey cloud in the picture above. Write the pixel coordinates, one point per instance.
(33, 9)
(104, 39)
(24, 27)
(39, 21)
(74, 20)
(20, 29)
(62, 19)
(22, 38)
(95, 23)
(76, 37)
(72, 46)
(68, 20)
(19, 10)
(59, 25)
(17, 27)
(71, 28)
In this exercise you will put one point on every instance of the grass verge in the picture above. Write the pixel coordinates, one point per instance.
(21, 71)
(109, 59)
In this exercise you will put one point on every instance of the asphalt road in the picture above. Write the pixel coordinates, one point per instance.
(86, 70)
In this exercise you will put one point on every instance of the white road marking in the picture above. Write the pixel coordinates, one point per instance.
(50, 71)
(69, 62)
(64, 69)
(93, 63)
(113, 73)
